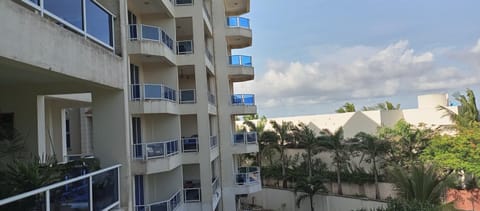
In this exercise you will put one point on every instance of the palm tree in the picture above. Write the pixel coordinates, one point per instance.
(266, 138)
(387, 106)
(467, 111)
(372, 149)
(307, 139)
(334, 142)
(284, 133)
(420, 183)
(310, 186)
(347, 107)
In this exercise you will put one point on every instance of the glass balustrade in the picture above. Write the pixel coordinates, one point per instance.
(187, 96)
(184, 47)
(152, 92)
(241, 22)
(152, 33)
(240, 60)
(247, 175)
(243, 99)
(145, 151)
(190, 144)
(245, 138)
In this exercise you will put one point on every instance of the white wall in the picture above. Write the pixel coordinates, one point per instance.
(284, 200)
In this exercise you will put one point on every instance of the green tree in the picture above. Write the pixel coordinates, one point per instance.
(309, 186)
(251, 117)
(347, 107)
(306, 139)
(285, 135)
(266, 139)
(407, 142)
(456, 152)
(387, 106)
(334, 142)
(373, 149)
(467, 111)
(420, 183)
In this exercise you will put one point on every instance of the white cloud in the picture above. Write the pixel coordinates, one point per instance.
(358, 72)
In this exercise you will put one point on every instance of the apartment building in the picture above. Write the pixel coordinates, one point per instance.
(146, 87)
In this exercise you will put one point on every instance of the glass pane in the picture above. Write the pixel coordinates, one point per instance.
(190, 144)
(235, 60)
(135, 92)
(133, 31)
(35, 202)
(244, 22)
(251, 137)
(153, 92)
(149, 32)
(36, 2)
(248, 100)
(232, 21)
(155, 150)
(99, 23)
(236, 99)
(246, 60)
(159, 207)
(73, 196)
(238, 138)
(138, 151)
(105, 189)
(192, 195)
(188, 96)
(68, 10)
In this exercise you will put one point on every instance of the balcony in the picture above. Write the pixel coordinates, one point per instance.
(247, 180)
(214, 149)
(184, 47)
(245, 142)
(237, 7)
(216, 192)
(190, 144)
(155, 157)
(238, 33)
(213, 142)
(187, 96)
(240, 68)
(153, 98)
(243, 104)
(209, 60)
(150, 44)
(155, 7)
(171, 204)
(192, 195)
(72, 194)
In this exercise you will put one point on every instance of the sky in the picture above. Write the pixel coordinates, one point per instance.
(312, 56)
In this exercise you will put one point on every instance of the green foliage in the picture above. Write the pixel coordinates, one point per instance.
(459, 152)
(387, 106)
(285, 135)
(420, 183)
(347, 107)
(401, 205)
(467, 111)
(309, 186)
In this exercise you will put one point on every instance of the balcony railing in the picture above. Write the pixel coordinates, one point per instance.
(243, 99)
(239, 22)
(245, 138)
(190, 144)
(207, 12)
(152, 33)
(213, 142)
(146, 151)
(209, 55)
(247, 176)
(152, 92)
(240, 60)
(168, 205)
(98, 190)
(183, 2)
(91, 20)
(215, 184)
(192, 195)
(184, 47)
(187, 96)
(212, 99)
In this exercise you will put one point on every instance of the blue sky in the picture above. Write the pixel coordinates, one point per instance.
(312, 56)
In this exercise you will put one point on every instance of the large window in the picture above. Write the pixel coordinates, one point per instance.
(92, 21)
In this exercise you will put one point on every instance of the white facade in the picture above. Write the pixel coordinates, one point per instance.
(150, 89)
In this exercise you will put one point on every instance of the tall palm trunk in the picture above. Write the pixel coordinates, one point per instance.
(284, 171)
(309, 163)
(339, 182)
(311, 202)
(375, 176)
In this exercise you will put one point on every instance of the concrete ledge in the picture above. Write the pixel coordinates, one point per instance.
(240, 73)
(238, 37)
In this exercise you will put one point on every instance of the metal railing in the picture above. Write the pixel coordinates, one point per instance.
(239, 22)
(146, 151)
(152, 92)
(245, 138)
(80, 21)
(247, 175)
(209, 55)
(187, 96)
(192, 195)
(207, 12)
(168, 205)
(72, 157)
(243, 99)
(184, 47)
(190, 144)
(183, 2)
(212, 99)
(215, 185)
(240, 60)
(152, 33)
(213, 142)
(98, 190)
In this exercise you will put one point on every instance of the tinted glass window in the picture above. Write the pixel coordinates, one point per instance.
(68, 10)
(99, 23)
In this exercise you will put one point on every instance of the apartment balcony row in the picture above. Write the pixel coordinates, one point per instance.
(238, 32)
(237, 7)
(171, 204)
(240, 68)
(151, 44)
(98, 190)
(158, 98)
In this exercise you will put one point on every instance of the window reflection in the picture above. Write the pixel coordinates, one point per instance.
(68, 10)
(99, 23)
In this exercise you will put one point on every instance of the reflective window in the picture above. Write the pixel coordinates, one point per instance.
(68, 10)
(36, 2)
(99, 23)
